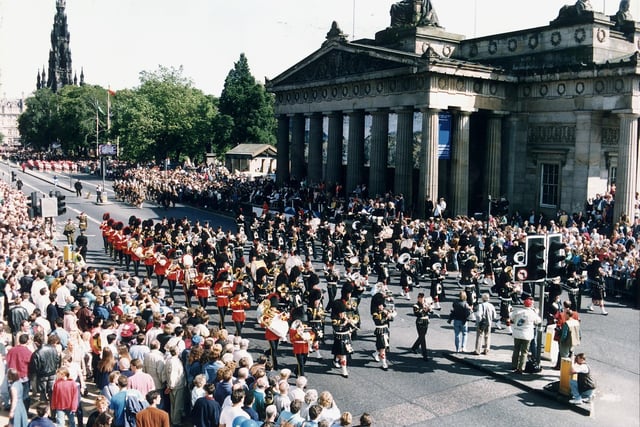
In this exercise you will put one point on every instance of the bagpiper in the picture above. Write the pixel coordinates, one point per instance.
(342, 329)
(381, 318)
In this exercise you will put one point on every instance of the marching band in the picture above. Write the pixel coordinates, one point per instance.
(278, 274)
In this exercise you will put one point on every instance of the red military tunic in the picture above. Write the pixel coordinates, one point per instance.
(238, 306)
(173, 272)
(223, 290)
(161, 265)
(300, 344)
(203, 285)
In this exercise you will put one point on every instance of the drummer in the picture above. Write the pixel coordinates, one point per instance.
(272, 315)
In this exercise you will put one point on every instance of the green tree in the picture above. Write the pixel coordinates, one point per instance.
(67, 117)
(38, 124)
(165, 117)
(78, 107)
(247, 106)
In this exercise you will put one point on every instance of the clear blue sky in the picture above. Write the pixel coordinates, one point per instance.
(116, 39)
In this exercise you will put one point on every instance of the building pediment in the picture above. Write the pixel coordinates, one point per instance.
(342, 61)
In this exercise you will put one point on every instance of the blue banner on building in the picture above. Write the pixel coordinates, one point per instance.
(444, 136)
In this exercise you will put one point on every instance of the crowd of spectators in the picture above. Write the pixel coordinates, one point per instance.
(71, 325)
(109, 327)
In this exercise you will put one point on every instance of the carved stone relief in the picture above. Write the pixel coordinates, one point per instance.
(551, 134)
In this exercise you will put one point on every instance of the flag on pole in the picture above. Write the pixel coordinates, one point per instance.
(110, 93)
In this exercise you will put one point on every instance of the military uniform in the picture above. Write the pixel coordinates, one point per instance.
(421, 310)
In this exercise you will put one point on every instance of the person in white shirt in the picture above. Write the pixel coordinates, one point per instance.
(154, 364)
(523, 323)
(485, 316)
(176, 385)
(298, 391)
(230, 413)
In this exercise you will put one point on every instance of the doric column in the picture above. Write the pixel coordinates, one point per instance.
(355, 153)
(404, 156)
(297, 147)
(429, 158)
(627, 175)
(282, 171)
(333, 174)
(494, 156)
(378, 158)
(315, 148)
(460, 164)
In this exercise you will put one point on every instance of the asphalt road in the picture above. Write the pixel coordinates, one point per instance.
(447, 391)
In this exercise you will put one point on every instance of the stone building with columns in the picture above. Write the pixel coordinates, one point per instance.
(546, 117)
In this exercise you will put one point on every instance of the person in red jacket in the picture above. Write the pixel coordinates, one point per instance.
(160, 267)
(223, 289)
(238, 304)
(18, 358)
(301, 338)
(64, 398)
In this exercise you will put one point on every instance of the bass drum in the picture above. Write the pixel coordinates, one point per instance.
(279, 327)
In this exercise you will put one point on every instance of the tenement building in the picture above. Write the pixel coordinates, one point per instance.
(546, 117)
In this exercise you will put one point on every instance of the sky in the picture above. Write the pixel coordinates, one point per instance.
(114, 40)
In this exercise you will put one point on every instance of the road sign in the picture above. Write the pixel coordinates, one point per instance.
(521, 273)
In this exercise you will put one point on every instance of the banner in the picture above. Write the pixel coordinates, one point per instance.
(444, 136)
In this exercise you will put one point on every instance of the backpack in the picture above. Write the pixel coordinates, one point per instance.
(132, 406)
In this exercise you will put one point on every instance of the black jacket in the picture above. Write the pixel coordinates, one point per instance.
(44, 362)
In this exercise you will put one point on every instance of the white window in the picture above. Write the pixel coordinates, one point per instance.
(550, 184)
(613, 171)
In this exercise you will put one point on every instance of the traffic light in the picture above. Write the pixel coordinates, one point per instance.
(62, 208)
(556, 257)
(535, 258)
(500, 206)
(32, 205)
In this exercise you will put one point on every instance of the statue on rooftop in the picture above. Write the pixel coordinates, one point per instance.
(413, 13)
(580, 8)
(623, 14)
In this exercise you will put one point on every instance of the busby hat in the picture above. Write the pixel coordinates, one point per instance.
(105, 216)
(339, 306)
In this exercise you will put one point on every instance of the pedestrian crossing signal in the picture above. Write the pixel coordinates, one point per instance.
(535, 258)
(556, 258)
(62, 204)
(32, 205)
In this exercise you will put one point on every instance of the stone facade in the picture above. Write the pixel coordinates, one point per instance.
(10, 110)
(546, 117)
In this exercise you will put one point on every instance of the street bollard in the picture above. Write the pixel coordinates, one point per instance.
(68, 253)
(550, 346)
(565, 376)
